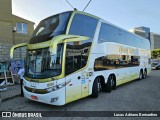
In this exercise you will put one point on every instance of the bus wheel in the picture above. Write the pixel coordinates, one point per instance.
(145, 73)
(109, 83)
(95, 88)
(140, 74)
(113, 83)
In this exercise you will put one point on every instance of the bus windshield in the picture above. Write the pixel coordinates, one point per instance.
(50, 27)
(40, 64)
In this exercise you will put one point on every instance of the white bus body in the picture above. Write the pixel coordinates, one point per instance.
(87, 62)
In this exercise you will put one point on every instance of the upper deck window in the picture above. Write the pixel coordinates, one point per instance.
(83, 25)
(106, 33)
(50, 27)
(110, 33)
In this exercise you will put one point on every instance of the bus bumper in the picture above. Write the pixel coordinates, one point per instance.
(53, 98)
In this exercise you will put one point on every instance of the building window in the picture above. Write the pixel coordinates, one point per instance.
(22, 28)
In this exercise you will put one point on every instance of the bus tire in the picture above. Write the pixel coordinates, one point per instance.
(114, 83)
(109, 84)
(95, 89)
(140, 74)
(145, 74)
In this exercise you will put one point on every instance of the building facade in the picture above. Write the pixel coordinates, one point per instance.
(141, 31)
(13, 30)
(155, 40)
(144, 32)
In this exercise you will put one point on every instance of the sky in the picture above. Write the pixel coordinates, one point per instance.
(126, 14)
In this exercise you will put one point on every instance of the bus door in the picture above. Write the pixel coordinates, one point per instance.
(78, 86)
(73, 72)
(76, 60)
(73, 88)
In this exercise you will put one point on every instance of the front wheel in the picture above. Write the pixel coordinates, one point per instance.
(95, 89)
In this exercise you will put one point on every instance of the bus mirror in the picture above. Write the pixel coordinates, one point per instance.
(15, 47)
(53, 49)
(64, 39)
(76, 38)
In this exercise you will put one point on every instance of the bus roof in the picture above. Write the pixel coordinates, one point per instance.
(102, 20)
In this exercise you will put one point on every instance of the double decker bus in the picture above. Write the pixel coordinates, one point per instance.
(74, 54)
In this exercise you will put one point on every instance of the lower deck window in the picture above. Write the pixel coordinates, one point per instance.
(115, 61)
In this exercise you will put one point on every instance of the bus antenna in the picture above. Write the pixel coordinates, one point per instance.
(71, 5)
(87, 5)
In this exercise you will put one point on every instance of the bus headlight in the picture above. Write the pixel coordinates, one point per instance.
(51, 89)
(59, 86)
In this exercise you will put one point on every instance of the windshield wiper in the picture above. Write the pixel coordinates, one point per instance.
(52, 74)
(51, 77)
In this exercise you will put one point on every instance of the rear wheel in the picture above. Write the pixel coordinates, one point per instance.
(145, 73)
(113, 83)
(140, 74)
(95, 88)
(110, 83)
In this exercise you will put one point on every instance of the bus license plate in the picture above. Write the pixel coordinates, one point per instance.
(34, 97)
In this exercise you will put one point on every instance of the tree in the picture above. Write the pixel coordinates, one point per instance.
(155, 53)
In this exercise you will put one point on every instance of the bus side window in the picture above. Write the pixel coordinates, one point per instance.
(135, 60)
